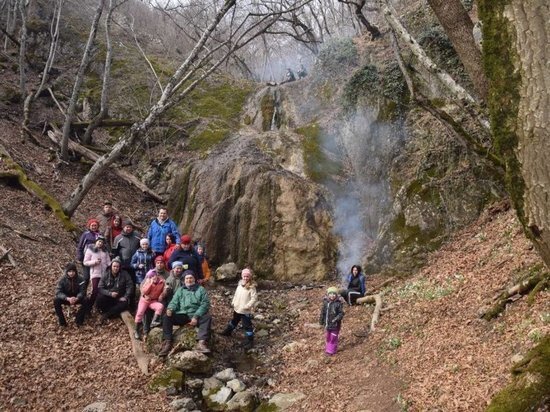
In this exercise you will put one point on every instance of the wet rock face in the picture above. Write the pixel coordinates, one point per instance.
(251, 211)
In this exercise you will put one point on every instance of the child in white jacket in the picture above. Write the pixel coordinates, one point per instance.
(243, 304)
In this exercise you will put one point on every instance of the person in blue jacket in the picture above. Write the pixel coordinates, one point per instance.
(161, 226)
(356, 287)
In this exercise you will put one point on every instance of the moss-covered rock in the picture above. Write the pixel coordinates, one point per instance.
(530, 389)
(167, 378)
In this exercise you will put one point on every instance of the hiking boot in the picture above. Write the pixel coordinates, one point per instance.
(166, 348)
(103, 320)
(248, 343)
(156, 321)
(201, 347)
(63, 323)
(227, 331)
(138, 333)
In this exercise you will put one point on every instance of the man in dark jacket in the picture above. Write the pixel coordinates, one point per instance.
(70, 291)
(188, 257)
(125, 245)
(115, 289)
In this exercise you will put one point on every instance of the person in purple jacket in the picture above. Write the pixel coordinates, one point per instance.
(87, 240)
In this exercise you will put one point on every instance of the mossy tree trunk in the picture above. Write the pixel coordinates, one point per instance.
(516, 56)
(459, 27)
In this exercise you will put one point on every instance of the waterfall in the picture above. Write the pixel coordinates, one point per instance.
(276, 116)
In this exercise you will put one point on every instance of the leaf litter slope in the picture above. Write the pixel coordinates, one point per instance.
(430, 350)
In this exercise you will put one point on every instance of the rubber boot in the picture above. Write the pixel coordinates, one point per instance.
(166, 348)
(228, 329)
(249, 342)
(156, 321)
(138, 334)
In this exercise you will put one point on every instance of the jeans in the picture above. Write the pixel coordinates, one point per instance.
(168, 322)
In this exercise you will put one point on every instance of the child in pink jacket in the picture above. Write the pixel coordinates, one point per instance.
(98, 260)
(151, 289)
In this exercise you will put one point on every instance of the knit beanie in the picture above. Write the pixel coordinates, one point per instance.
(144, 242)
(70, 266)
(332, 289)
(188, 272)
(246, 271)
(159, 259)
(90, 221)
(176, 264)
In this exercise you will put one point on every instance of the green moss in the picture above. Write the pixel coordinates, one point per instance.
(499, 57)
(267, 107)
(178, 203)
(317, 165)
(267, 407)
(411, 236)
(530, 389)
(211, 135)
(167, 378)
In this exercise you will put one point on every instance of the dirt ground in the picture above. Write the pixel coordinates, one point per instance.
(429, 351)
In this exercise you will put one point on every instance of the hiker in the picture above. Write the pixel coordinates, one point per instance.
(151, 290)
(70, 291)
(124, 246)
(187, 255)
(355, 285)
(112, 231)
(87, 239)
(173, 283)
(98, 260)
(142, 261)
(189, 306)
(115, 290)
(160, 268)
(289, 76)
(159, 228)
(332, 313)
(105, 218)
(302, 72)
(243, 304)
(170, 247)
(203, 260)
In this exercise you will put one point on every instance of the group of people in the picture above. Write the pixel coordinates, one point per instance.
(290, 76)
(170, 273)
(167, 270)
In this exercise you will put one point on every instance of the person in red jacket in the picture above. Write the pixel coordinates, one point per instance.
(151, 289)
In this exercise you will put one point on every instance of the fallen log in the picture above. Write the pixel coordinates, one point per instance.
(55, 137)
(533, 282)
(13, 171)
(141, 357)
(377, 299)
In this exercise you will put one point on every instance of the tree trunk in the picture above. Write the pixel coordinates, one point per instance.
(516, 56)
(373, 30)
(459, 28)
(104, 109)
(71, 109)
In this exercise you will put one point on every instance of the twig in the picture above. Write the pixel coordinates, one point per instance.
(6, 252)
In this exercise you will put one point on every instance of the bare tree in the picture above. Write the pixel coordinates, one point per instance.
(358, 6)
(104, 107)
(71, 109)
(459, 28)
(54, 40)
(23, 6)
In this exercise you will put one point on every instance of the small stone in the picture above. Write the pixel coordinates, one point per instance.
(242, 401)
(194, 383)
(211, 385)
(517, 358)
(183, 403)
(262, 333)
(96, 407)
(221, 396)
(226, 375)
(236, 385)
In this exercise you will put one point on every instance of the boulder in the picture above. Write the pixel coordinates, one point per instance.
(167, 378)
(229, 271)
(244, 401)
(191, 361)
